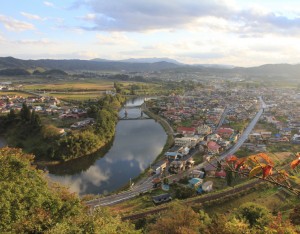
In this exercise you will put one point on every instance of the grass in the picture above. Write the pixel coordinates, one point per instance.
(272, 198)
(69, 86)
(80, 96)
(15, 93)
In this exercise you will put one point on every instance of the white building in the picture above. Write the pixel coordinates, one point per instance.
(186, 141)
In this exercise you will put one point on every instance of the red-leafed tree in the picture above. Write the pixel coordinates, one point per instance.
(262, 167)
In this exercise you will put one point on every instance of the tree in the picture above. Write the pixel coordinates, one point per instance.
(11, 115)
(229, 177)
(178, 219)
(254, 214)
(30, 203)
(262, 167)
(295, 215)
(35, 119)
(25, 113)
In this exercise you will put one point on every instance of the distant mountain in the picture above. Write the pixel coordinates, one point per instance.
(221, 66)
(14, 72)
(87, 65)
(150, 60)
(140, 65)
(52, 72)
(283, 70)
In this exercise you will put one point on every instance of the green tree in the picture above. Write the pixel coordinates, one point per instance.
(30, 203)
(257, 215)
(12, 115)
(295, 215)
(25, 113)
(178, 219)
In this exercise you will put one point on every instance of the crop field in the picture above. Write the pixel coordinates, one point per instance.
(72, 86)
(15, 93)
(79, 96)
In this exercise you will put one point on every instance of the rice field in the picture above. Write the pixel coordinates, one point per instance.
(15, 93)
(78, 96)
(72, 86)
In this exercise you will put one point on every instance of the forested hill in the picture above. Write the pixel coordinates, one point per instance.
(149, 65)
(90, 65)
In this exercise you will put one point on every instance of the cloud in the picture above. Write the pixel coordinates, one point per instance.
(114, 38)
(32, 17)
(42, 41)
(136, 15)
(15, 25)
(48, 4)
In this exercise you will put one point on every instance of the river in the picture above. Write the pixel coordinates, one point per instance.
(135, 146)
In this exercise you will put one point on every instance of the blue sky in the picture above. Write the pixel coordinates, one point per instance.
(241, 33)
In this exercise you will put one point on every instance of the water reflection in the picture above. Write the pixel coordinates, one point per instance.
(136, 145)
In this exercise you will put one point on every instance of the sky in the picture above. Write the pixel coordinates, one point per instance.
(236, 32)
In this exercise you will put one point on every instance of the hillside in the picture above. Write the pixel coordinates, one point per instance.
(88, 65)
(150, 65)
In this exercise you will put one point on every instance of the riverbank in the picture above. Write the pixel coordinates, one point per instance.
(166, 126)
(169, 143)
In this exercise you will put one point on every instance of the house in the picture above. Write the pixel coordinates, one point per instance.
(225, 132)
(220, 174)
(176, 166)
(296, 139)
(159, 167)
(197, 174)
(286, 132)
(186, 131)
(204, 130)
(253, 137)
(266, 135)
(213, 147)
(186, 141)
(207, 186)
(162, 198)
(195, 182)
(175, 152)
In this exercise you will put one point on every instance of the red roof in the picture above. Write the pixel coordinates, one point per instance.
(225, 131)
(185, 129)
(221, 173)
(213, 145)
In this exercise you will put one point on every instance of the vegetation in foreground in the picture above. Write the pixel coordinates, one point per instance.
(30, 203)
(25, 130)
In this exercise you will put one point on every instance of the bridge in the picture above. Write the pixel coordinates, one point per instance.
(132, 107)
(134, 118)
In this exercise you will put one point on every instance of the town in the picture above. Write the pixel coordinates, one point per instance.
(205, 123)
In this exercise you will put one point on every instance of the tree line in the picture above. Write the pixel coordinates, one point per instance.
(27, 131)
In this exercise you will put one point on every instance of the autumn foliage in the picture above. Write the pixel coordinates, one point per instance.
(261, 166)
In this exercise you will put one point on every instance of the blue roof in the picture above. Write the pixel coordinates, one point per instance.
(194, 181)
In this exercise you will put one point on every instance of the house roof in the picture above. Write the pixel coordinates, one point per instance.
(185, 129)
(220, 173)
(225, 131)
(213, 145)
(194, 181)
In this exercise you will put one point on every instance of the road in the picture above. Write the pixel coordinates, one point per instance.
(224, 114)
(146, 185)
(243, 136)
(199, 200)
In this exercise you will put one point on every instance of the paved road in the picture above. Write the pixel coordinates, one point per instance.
(224, 114)
(146, 185)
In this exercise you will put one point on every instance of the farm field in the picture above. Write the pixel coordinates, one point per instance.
(79, 96)
(15, 93)
(71, 86)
